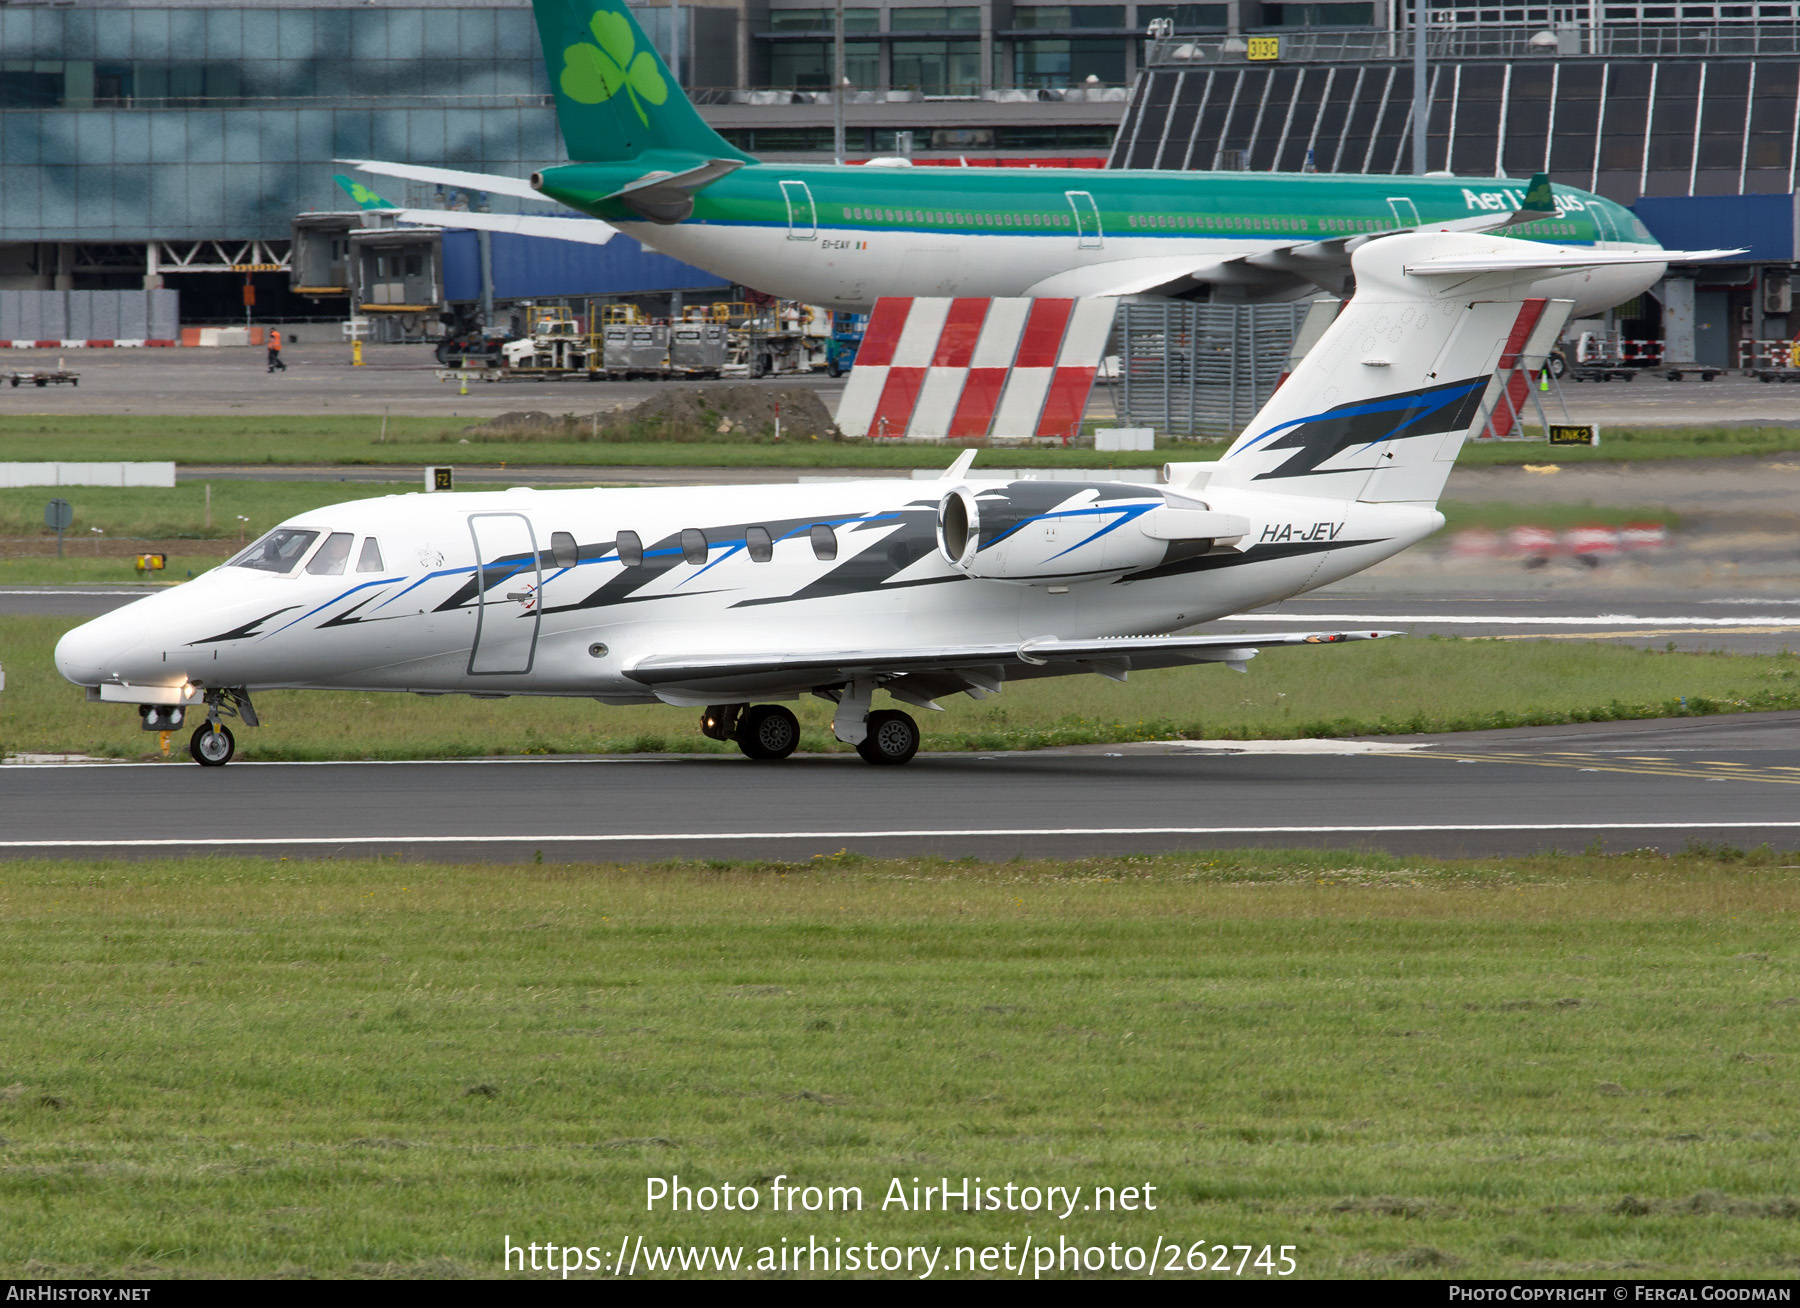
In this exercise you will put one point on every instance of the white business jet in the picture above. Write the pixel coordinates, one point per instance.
(735, 598)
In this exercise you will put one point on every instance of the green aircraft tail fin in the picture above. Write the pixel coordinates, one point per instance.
(364, 197)
(1538, 197)
(615, 99)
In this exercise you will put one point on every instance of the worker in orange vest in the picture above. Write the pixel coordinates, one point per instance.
(275, 350)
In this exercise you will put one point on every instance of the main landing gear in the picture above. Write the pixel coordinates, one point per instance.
(764, 732)
(767, 732)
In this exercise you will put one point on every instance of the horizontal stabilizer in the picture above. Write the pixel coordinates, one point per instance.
(1552, 256)
(588, 231)
(454, 178)
(669, 197)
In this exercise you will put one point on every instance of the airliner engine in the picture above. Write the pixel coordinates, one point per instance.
(1045, 533)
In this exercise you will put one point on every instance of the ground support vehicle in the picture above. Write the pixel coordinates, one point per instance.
(846, 340)
(794, 338)
(47, 377)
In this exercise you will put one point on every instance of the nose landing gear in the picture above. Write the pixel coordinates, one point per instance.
(213, 745)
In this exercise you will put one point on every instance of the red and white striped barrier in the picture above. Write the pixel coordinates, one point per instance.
(86, 345)
(1643, 536)
(964, 369)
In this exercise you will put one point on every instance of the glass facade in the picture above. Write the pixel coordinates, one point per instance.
(1622, 128)
(806, 65)
(132, 124)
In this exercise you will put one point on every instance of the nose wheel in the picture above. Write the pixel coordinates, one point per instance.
(212, 745)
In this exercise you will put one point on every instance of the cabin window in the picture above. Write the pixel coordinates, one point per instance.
(333, 555)
(562, 549)
(693, 545)
(631, 549)
(370, 558)
(279, 551)
(824, 542)
(756, 540)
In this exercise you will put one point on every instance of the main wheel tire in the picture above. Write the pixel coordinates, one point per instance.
(212, 748)
(892, 740)
(767, 732)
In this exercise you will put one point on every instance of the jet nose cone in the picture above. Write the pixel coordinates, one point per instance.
(91, 653)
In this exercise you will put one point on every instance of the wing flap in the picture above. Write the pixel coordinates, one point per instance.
(829, 667)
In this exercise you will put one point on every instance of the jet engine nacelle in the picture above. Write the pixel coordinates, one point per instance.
(1046, 533)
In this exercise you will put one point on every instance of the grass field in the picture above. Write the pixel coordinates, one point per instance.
(355, 439)
(1406, 685)
(1563, 1067)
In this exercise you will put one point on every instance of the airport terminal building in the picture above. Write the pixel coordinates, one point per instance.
(151, 143)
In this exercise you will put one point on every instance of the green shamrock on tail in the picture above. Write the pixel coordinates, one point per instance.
(592, 73)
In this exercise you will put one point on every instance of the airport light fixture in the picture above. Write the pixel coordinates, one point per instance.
(1421, 107)
(839, 84)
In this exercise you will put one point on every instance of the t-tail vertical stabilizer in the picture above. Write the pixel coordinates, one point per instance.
(1378, 409)
(615, 99)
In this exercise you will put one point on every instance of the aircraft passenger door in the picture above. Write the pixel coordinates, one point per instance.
(1088, 235)
(803, 222)
(1406, 213)
(506, 595)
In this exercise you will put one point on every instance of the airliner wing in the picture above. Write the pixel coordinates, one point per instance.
(589, 231)
(1163, 272)
(452, 177)
(946, 669)
(1323, 263)
(1554, 256)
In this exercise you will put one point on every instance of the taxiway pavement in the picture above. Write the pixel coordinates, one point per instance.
(1733, 780)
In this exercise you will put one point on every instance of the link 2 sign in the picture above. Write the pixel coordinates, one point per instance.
(1569, 433)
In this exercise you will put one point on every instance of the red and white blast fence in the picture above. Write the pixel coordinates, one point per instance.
(965, 369)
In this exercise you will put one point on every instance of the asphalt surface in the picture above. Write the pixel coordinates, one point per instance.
(1697, 619)
(1628, 785)
(402, 379)
(320, 380)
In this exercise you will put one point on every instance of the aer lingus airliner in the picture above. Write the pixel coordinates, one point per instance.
(736, 598)
(646, 163)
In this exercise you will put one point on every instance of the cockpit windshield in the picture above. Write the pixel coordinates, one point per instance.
(279, 551)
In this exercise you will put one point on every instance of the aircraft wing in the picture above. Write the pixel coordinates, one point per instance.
(589, 231)
(1283, 267)
(946, 669)
(452, 177)
(1557, 256)
(1163, 272)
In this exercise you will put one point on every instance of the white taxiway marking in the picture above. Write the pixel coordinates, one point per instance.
(1295, 746)
(1508, 619)
(667, 837)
